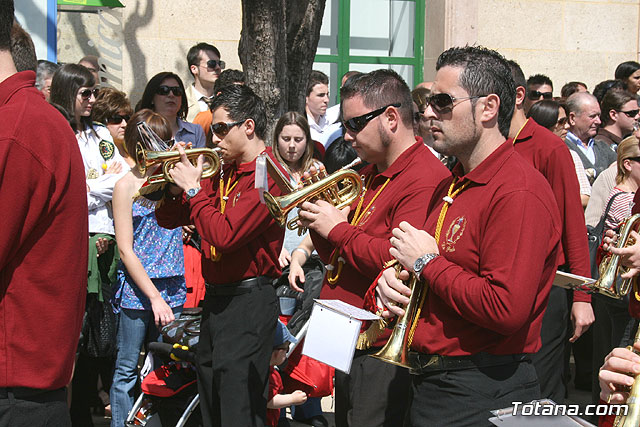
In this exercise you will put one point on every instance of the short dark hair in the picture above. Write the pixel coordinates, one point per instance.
(226, 78)
(155, 121)
(316, 78)
(379, 88)
(65, 84)
(152, 87)
(570, 88)
(6, 22)
(624, 70)
(604, 86)
(539, 79)
(517, 74)
(108, 103)
(484, 72)
(545, 113)
(45, 70)
(193, 55)
(23, 50)
(613, 100)
(242, 103)
(340, 153)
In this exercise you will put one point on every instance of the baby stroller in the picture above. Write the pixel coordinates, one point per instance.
(169, 393)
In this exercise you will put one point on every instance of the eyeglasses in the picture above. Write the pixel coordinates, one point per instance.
(86, 94)
(164, 90)
(443, 102)
(221, 129)
(117, 119)
(562, 121)
(212, 64)
(356, 124)
(535, 95)
(635, 159)
(630, 113)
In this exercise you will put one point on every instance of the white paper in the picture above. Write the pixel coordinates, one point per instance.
(347, 309)
(572, 281)
(331, 337)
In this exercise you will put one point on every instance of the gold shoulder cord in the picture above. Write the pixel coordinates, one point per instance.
(224, 196)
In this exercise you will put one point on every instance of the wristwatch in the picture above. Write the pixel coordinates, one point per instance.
(191, 192)
(421, 262)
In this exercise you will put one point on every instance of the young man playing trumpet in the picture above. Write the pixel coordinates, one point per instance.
(241, 244)
(399, 181)
(488, 253)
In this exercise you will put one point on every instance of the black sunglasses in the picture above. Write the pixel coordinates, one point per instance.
(535, 95)
(117, 119)
(221, 129)
(356, 124)
(630, 113)
(443, 102)
(86, 94)
(562, 121)
(164, 90)
(214, 63)
(635, 159)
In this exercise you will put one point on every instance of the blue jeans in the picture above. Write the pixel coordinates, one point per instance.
(135, 327)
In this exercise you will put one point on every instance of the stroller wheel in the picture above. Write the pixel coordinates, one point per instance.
(141, 412)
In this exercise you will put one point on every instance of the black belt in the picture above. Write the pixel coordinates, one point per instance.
(238, 288)
(34, 394)
(426, 363)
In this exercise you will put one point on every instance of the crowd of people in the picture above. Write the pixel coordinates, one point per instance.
(481, 184)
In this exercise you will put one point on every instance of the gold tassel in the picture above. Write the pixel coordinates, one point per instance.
(369, 337)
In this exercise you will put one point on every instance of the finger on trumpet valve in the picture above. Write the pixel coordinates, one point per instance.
(306, 178)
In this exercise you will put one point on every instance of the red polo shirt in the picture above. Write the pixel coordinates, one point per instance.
(245, 234)
(547, 153)
(499, 249)
(365, 247)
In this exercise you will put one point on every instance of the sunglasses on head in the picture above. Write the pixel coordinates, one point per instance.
(630, 113)
(164, 90)
(215, 63)
(535, 95)
(221, 129)
(117, 119)
(443, 102)
(86, 94)
(356, 124)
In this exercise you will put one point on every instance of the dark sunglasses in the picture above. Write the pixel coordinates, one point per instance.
(221, 129)
(117, 119)
(562, 121)
(443, 102)
(630, 113)
(356, 124)
(164, 90)
(635, 159)
(86, 94)
(214, 63)
(535, 95)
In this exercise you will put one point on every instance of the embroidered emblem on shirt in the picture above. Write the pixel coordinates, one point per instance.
(92, 174)
(236, 198)
(454, 233)
(107, 149)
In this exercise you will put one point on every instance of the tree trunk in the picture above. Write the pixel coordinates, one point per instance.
(277, 48)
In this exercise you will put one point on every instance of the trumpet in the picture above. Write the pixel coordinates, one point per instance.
(167, 159)
(340, 189)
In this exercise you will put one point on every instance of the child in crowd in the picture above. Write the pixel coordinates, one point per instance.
(277, 401)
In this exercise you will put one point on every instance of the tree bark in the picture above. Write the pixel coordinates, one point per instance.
(277, 48)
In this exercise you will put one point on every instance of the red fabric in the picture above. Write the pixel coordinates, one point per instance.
(320, 150)
(155, 384)
(499, 249)
(548, 154)
(307, 374)
(246, 235)
(43, 239)
(275, 387)
(634, 304)
(193, 276)
(414, 176)
(606, 420)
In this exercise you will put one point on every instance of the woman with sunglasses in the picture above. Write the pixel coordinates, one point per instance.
(112, 109)
(629, 73)
(165, 95)
(151, 288)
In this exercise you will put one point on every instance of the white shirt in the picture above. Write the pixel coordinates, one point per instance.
(326, 130)
(195, 102)
(100, 185)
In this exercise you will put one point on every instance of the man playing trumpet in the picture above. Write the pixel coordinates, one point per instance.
(399, 181)
(488, 253)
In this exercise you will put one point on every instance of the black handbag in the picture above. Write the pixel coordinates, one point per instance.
(98, 337)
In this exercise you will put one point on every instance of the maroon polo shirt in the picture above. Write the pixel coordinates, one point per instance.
(499, 249)
(246, 235)
(547, 153)
(365, 247)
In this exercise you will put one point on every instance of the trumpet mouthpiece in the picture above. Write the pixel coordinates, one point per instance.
(355, 162)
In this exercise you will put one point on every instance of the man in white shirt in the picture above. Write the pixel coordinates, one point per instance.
(322, 122)
(205, 67)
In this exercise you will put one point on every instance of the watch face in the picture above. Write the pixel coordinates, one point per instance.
(419, 264)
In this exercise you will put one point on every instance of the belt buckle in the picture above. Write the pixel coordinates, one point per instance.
(433, 360)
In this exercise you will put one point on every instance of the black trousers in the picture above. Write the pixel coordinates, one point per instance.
(374, 393)
(46, 409)
(549, 361)
(466, 397)
(236, 341)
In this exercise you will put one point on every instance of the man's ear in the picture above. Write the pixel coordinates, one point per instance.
(194, 70)
(393, 117)
(491, 108)
(521, 94)
(250, 127)
(613, 115)
(572, 118)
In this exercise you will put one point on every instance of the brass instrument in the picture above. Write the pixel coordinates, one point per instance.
(167, 159)
(632, 417)
(396, 350)
(318, 185)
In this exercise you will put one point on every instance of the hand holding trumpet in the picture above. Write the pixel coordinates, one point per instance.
(184, 173)
(629, 255)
